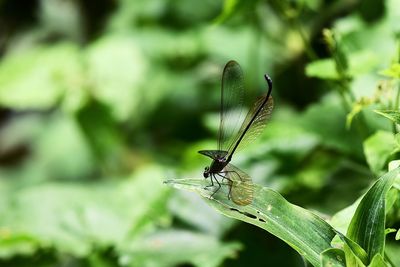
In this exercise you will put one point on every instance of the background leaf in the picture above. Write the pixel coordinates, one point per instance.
(377, 149)
(393, 115)
(367, 228)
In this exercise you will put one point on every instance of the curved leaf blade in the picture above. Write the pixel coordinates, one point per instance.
(333, 257)
(367, 227)
(304, 231)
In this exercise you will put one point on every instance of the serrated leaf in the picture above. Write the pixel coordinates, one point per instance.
(393, 115)
(367, 228)
(304, 231)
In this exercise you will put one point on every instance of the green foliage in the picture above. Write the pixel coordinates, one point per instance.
(393, 115)
(99, 103)
(378, 148)
(302, 230)
(367, 227)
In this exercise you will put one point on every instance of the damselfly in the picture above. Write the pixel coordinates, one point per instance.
(235, 130)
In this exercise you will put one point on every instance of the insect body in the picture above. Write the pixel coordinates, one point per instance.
(234, 132)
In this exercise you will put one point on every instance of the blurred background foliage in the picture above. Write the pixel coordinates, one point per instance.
(101, 101)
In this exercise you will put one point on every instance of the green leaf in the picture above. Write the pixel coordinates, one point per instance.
(117, 69)
(355, 255)
(393, 115)
(378, 148)
(392, 252)
(38, 78)
(79, 218)
(392, 72)
(323, 69)
(333, 134)
(175, 247)
(304, 231)
(203, 218)
(326, 68)
(378, 261)
(333, 257)
(367, 228)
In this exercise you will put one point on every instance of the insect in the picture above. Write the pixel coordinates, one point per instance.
(235, 130)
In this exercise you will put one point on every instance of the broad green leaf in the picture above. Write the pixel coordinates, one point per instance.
(327, 121)
(78, 218)
(359, 63)
(203, 217)
(397, 237)
(333, 257)
(342, 219)
(392, 252)
(38, 78)
(117, 70)
(378, 261)
(100, 131)
(49, 158)
(367, 228)
(392, 72)
(394, 163)
(173, 247)
(302, 230)
(378, 149)
(393, 115)
(323, 69)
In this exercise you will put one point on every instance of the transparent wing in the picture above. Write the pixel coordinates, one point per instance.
(242, 188)
(252, 128)
(232, 112)
(214, 154)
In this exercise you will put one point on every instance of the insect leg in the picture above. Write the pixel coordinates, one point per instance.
(219, 185)
(212, 183)
(230, 184)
